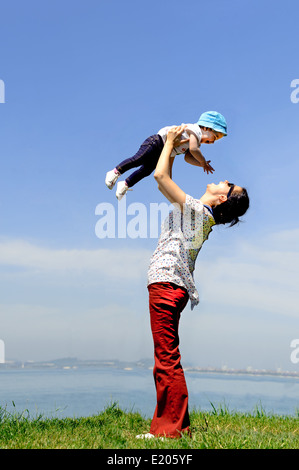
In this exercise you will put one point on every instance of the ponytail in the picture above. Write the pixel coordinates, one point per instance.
(233, 208)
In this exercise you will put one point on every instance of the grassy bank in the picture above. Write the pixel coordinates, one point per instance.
(116, 429)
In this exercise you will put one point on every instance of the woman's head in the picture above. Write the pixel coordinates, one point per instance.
(229, 202)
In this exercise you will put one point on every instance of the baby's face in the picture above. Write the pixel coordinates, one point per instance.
(218, 135)
(211, 136)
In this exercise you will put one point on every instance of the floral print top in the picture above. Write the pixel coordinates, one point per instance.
(181, 239)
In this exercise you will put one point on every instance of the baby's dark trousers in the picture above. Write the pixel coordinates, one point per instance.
(146, 159)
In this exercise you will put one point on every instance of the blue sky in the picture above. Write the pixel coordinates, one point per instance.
(85, 83)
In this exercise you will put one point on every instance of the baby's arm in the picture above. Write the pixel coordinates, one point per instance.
(190, 159)
(195, 157)
(195, 151)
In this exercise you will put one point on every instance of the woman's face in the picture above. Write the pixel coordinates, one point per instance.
(222, 188)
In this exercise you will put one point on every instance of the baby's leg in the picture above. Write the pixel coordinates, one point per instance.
(142, 172)
(146, 158)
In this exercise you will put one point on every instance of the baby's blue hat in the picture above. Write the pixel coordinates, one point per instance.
(213, 120)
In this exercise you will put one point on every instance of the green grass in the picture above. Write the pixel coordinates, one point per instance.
(116, 429)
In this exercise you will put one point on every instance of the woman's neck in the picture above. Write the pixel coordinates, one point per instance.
(205, 199)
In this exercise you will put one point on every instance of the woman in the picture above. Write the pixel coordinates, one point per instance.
(171, 283)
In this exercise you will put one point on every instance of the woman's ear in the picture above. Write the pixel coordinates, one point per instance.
(221, 198)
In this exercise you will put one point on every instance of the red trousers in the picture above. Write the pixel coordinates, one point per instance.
(171, 417)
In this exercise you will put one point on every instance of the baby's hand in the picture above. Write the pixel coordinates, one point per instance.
(208, 168)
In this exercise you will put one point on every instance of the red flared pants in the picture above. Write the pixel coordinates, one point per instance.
(171, 417)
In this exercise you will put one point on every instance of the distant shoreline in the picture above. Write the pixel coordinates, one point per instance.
(146, 364)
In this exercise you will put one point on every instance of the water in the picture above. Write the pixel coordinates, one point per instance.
(87, 391)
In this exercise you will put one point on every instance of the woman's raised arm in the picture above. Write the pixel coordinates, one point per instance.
(163, 169)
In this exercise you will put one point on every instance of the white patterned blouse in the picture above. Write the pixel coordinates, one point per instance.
(181, 239)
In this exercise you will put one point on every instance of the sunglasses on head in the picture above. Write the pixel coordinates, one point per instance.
(231, 188)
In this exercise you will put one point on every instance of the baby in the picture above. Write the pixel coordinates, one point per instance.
(211, 126)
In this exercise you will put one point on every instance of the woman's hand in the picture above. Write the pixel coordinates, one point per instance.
(174, 135)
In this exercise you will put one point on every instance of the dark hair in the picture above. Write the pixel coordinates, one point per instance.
(230, 210)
